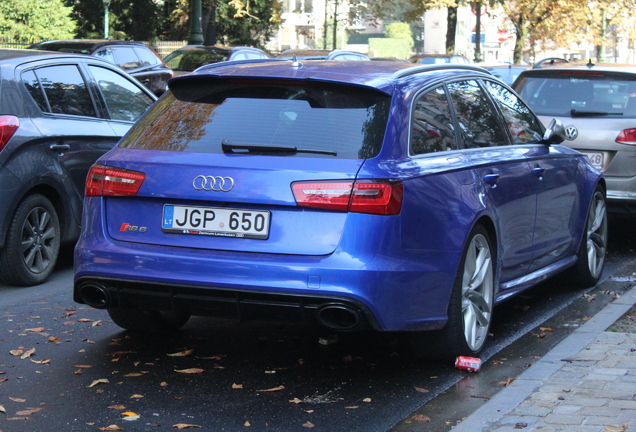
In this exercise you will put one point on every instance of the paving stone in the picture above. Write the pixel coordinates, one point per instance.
(564, 419)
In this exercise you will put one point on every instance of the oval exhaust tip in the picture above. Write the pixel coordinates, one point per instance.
(338, 317)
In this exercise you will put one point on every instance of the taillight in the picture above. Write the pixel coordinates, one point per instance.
(628, 137)
(108, 181)
(8, 125)
(382, 197)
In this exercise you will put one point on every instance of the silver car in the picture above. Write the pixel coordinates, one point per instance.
(597, 106)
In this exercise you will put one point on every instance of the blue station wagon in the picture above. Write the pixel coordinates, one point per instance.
(351, 195)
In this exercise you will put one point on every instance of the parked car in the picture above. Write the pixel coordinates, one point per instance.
(597, 105)
(58, 114)
(550, 61)
(351, 195)
(135, 58)
(438, 59)
(190, 57)
(318, 54)
(507, 73)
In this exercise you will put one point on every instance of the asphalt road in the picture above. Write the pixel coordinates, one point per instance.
(87, 375)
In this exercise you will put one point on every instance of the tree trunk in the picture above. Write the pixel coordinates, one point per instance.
(522, 35)
(209, 25)
(451, 29)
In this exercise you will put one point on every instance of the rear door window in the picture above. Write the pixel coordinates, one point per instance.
(64, 88)
(146, 56)
(106, 54)
(478, 123)
(272, 119)
(432, 125)
(126, 58)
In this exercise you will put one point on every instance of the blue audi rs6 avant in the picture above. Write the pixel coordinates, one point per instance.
(352, 195)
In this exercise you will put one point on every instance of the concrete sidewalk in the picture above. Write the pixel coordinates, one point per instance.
(586, 383)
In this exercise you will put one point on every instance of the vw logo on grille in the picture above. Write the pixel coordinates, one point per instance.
(213, 183)
(571, 133)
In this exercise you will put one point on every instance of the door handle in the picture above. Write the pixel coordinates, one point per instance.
(60, 149)
(538, 171)
(491, 179)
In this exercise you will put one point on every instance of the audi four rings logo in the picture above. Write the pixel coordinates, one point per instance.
(213, 183)
(571, 133)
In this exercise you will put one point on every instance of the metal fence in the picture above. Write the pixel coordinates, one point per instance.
(162, 47)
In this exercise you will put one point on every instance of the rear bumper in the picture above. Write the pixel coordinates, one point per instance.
(379, 292)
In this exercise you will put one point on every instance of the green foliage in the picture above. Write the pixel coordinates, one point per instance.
(400, 31)
(35, 20)
(385, 47)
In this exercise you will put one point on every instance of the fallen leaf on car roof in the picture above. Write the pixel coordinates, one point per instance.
(182, 353)
(190, 371)
(279, 388)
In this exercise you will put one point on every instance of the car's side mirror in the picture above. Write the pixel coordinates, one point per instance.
(554, 133)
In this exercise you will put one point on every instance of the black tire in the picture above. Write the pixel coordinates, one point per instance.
(591, 255)
(150, 321)
(470, 306)
(32, 244)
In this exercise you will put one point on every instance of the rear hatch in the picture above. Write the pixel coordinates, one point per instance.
(597, 108)
(216, 162)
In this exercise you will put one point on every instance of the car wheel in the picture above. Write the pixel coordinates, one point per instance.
(591, 255)
(147, 321)
(470, 306)
(32, 244)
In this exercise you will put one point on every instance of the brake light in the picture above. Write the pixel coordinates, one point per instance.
(382, 197)
(108, 181)
(628, 137)
(8, 125)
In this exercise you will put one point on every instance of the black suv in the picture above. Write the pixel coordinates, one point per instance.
(134, 57)
(58, 114)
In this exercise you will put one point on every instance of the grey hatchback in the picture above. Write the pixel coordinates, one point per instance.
(58, 114)
(597, 105)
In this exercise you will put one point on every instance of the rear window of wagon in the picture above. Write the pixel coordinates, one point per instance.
(265, 118)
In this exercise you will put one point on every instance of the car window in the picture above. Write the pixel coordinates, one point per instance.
(146, 56)
(124, 99)
(65, 90)
(239, 56)
(253, 55)
(524, 126)
(126, 58)
(187, 60)
(432, 124)
(575, 94)
(265, 119)
(479, 126)
(106, 54)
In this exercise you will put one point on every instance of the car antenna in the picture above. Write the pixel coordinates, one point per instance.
(295, 62)
(589, 63)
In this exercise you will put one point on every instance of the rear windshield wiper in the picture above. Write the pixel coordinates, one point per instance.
(577, 113)
(228, 147)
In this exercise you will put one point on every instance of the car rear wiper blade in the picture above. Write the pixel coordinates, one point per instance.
(229, 147)
(577, 113)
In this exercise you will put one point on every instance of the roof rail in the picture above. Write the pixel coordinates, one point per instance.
(426, 68)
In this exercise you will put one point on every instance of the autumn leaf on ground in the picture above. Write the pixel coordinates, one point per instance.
(134, 374)
(17, 399)
(295, 401)
(546, 329)
(237, 386)
(117, 407)
(35, 330)
(507, 382)
(190, 371)
(18, 418)
(54, 339)
(2, 410)
(119, 353)
(83, 366)
(16, 352)
(47, 361)
(99, 381)
(163, 384)
(421, 390)
(69, 313)
(247, 424)
(28, 353)
(29, 411)
(97, 323)
(84, 320)
(182, 353)
(421, 418)
(613, 429)
(130, 416)
(279, 388)
(185, 426)
(111, 428)
(308, 425)
(352, 407)
(136, 396)
(366, 400)
(216, 357)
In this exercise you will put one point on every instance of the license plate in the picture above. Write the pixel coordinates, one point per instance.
(216, 222)
(596, 159)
